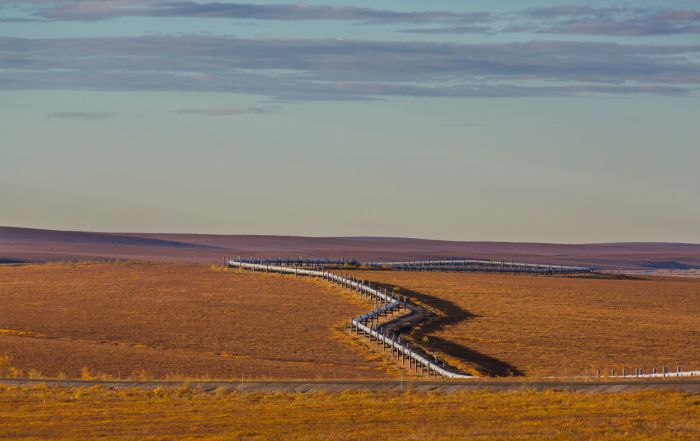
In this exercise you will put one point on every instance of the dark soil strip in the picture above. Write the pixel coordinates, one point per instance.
(445, 386)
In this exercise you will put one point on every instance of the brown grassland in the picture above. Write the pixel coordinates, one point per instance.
(153, 320)
(555, 326)
(41, 413)
(175, 320)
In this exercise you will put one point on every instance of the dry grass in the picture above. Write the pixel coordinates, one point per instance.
(174, 320)
(43, 413)
(540, 326)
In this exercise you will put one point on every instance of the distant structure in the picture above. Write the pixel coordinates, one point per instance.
(452, 265)
(371, 325)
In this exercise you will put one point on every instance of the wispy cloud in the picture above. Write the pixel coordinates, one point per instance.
(559, 19)
(347, 69)
(224, 111)
(82, 115)
(577, 19)
(85, 10)
(468, 29)
(576, 10)
(584, 20)
(21, 20)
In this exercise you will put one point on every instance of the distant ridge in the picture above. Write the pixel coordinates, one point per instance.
(37, 235)
(31, 244)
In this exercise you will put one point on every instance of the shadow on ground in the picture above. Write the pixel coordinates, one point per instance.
(445, 313)
(606, 276)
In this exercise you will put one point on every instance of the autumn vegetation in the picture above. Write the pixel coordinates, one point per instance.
(184, 413)
(187, 321)
(157, 320)
(554, 326)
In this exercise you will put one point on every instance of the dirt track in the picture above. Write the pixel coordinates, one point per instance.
(683, 385)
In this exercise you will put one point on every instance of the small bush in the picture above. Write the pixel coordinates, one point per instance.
(85, 374)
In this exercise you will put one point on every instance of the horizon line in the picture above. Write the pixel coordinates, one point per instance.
(351, 237)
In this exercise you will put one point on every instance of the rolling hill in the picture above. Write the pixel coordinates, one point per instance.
(37, 245)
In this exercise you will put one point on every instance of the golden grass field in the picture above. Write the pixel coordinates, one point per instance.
(157, 320)
(175, 320)
(543, 326)
(54, 413)
(152, 320)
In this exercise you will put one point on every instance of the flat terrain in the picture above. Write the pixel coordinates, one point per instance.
(158, 320)
(26, 244)
(184, 413)
(542, 326)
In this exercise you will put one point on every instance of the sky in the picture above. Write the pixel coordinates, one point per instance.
(530, 121)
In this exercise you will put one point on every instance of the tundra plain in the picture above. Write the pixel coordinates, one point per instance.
(55, 413)
(178, 320)
(184, 321)
(554, 326)
(157, 320)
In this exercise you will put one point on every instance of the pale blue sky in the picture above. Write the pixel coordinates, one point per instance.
(532, 121)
